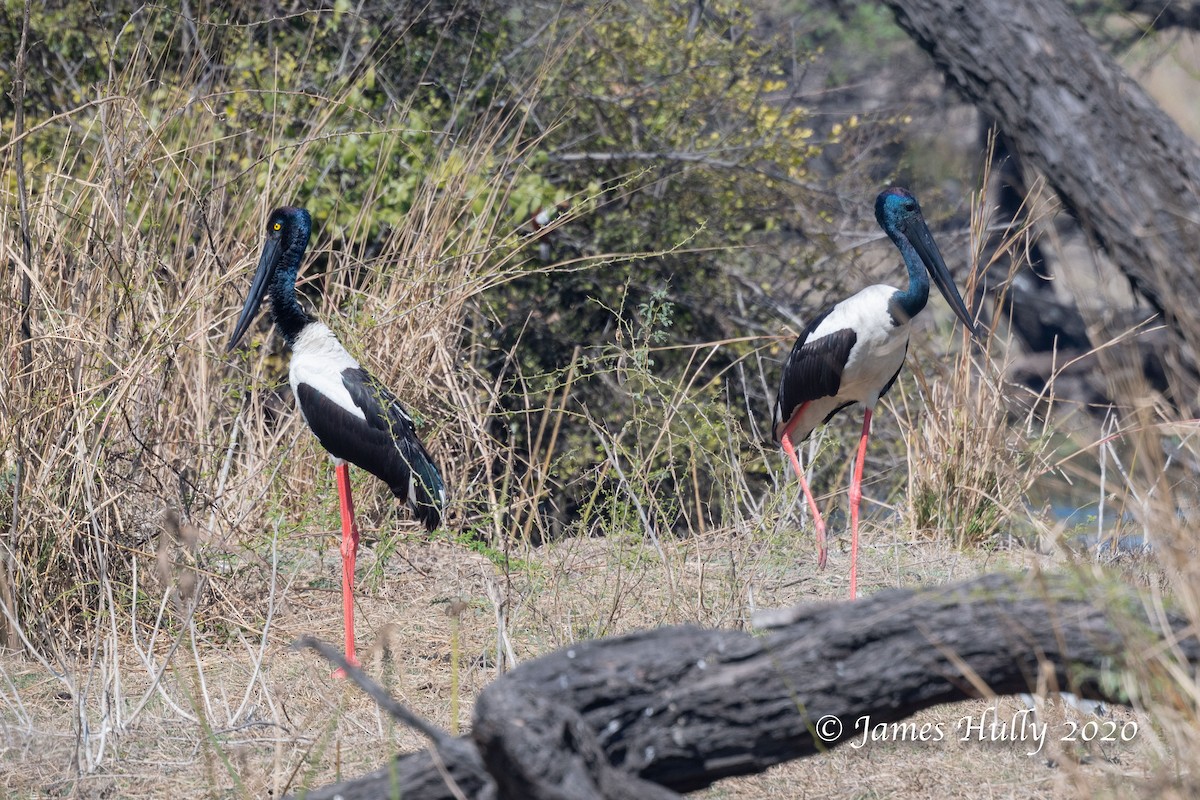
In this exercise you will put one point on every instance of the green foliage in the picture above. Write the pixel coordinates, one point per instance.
(322, 94)
(422, 139)
(682, 136)
(868, 28)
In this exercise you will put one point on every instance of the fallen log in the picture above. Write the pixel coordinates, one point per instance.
(676, 709)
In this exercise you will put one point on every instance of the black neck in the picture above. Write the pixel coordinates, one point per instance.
(917, 295)
(286, 310)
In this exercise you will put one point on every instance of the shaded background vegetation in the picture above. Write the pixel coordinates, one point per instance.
(706, 172)
(672, 149)
(575, 238)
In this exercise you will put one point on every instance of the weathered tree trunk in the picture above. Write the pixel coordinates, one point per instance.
(1043, 323)
(1117, 161)
(675, 709)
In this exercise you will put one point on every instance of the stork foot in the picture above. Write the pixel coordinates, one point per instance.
(340, 674)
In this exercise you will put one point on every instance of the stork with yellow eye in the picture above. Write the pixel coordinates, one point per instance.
(355, 417)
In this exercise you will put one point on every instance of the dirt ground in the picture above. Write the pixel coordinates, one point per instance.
(275, 720)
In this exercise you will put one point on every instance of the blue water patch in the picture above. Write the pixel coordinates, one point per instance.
(1126, 544)
(1108, 542)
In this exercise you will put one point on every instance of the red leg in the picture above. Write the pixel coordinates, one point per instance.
(818, 522)
(855, 499)
(349, 554)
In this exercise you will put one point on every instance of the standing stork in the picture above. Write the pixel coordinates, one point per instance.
(852, 352)
(354, 416)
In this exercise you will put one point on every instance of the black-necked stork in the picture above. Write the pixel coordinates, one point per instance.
(354, 416)
(852, 352)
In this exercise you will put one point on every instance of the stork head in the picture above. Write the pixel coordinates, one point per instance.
(288, 229)
(899, 214)
(289, 226)
(896, 209)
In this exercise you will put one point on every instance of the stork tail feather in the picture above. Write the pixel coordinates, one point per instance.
(426, 493)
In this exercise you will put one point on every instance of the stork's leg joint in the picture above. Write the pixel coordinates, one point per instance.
(786, 441)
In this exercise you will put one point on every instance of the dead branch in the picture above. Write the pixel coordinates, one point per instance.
(676, 709)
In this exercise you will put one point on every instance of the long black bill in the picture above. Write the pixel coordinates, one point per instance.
(927, 249)
(262, 279)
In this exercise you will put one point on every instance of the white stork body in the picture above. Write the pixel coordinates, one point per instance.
(318, 361)
(358, 420)
(872, 363)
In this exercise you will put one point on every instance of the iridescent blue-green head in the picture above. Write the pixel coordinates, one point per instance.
(899, 214)
(288, 229)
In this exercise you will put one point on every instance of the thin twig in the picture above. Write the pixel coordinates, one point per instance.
(375, 691)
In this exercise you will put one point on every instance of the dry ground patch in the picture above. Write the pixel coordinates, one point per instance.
(274, 720)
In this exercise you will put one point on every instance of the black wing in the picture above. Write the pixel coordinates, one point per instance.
(813, 369)
(385, 443)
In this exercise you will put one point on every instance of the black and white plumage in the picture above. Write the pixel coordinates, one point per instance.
(353, 415)
(357, 419)
(839, 359)
(852, 352)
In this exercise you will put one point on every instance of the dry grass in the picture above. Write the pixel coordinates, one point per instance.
(173, 525)
(277, 720)
(970, 460)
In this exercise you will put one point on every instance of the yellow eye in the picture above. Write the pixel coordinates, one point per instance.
(277, 226)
